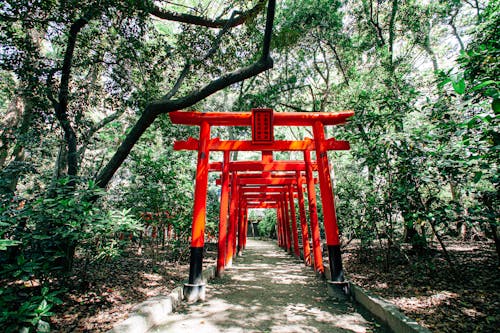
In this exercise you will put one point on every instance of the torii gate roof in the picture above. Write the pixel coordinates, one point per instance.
(245, 118)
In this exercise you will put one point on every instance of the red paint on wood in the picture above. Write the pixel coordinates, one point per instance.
(200, 193)
(243, 145)
(245, 118)
(313, 215)
(306, 248)
(293, 219)
(325, 181)
(223, 225)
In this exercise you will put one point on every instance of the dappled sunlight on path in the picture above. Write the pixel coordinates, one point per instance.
(266, 290)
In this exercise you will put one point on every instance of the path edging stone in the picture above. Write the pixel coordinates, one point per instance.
(387, 312)
(154, 311)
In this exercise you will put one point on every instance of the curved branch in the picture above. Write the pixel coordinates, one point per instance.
(376, 25)
(165, 106)
(293, 107)
(95, 127)
(238, 19)
(392, 34)
(339, 62)
(455, 31)
(61, 105)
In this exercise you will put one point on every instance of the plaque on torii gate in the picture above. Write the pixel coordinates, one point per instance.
(194, 289)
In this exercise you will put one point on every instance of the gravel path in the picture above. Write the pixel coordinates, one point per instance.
(267, 290)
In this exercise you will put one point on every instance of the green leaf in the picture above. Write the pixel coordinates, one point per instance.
(444, 82)
(459, 86)
(477, 176)
(5, 243)
(483, 84)
(495, 105)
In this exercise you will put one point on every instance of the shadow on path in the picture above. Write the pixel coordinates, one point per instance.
(266, 290)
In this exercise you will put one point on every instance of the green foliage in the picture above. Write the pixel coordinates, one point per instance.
(424, 138)
(39, 240)
(161, 181)
(267, 226)
(480, 60)
(29, 314)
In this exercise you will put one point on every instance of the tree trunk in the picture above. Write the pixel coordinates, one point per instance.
(496, 238)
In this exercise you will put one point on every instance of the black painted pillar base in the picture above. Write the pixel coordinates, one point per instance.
(194, 292)
(337, 286)
(338, 290)
(195, 288)
(335, 261)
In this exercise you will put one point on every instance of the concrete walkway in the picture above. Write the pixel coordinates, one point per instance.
(267, 290)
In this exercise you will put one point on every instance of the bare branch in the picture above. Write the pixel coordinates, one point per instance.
(392, 34)
(179, 81)
(97, 127)
(269, 30)
(376, 25)
(187, 67)
(327, 65)
(165, 106)
(455, 31)
(341, 67)
(311, 91)
(61, 106)
(293, 107)
(316, 66)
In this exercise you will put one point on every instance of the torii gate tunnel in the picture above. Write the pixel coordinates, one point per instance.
(263, 184)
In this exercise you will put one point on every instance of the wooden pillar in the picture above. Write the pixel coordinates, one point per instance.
(327, 199)
(282, 223)
(293, 218)
(313, 216)
(241, 223)
(306, 248)
(279, 226)
(232, 221)
(224, 202)
(245, 229)
(195, 288)
(287, 224)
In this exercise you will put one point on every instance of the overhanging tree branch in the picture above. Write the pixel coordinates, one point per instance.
(164, 105)
(238, 19)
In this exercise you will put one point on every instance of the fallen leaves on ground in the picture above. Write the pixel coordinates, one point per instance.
(100, 296)
(463, 297)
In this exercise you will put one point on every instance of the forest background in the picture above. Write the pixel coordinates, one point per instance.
(86, 146)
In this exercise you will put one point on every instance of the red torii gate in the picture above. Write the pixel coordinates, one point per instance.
(278, 196)
(281, 183)
(283, 217)
(286, 195)
(291, 185)
(262, 122)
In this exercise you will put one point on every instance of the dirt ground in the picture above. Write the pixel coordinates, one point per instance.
(268, 291)
(103, 295)
(466, 299)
